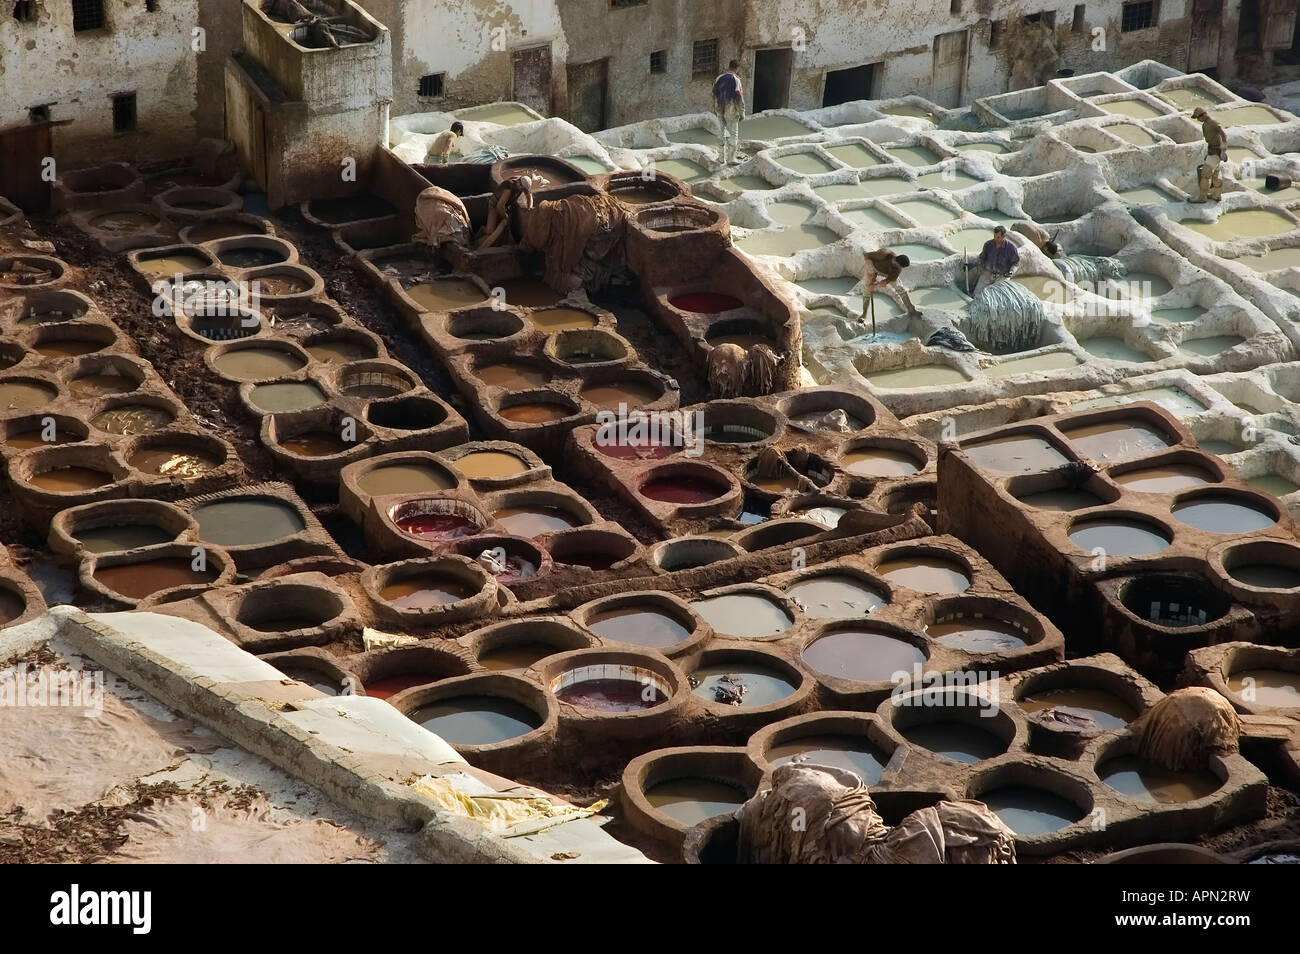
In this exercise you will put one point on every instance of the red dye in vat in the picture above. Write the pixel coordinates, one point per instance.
(383, 688)
(611, 695)
(705, 303)
(634, 450)
(438, 526)
(682, 490)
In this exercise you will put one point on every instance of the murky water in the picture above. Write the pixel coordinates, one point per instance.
(744, 615)
(1117, 538)
(834, 596)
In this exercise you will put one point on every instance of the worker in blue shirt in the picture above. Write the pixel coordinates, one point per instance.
(998, 259)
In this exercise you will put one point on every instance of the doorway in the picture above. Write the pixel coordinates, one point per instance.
(532, 77)
(1203, 38)
(948, 78)
(772, 78)
(845, 86)
(589, 95)
(23, 154)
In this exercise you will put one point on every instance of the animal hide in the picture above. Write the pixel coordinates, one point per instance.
(1186, 727)
(726, 370)
(761, 368)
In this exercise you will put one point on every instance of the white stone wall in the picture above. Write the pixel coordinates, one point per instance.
(45, 62)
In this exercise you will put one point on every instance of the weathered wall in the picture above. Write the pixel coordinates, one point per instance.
(76, 73)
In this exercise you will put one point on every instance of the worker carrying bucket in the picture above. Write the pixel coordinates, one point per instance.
(1209, 178)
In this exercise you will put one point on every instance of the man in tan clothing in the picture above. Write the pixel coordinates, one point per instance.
(1208, 177)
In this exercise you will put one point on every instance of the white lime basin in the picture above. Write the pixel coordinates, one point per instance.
(1133, 108)
(1112, 349)
(1289, 194)
(772, 127)
(870, 218)
(807, 163)
(697, 135)
(996, 148)
(943, 297)
(503, 114)
(926, 211)
(1189, 97)
(738, 184)
(587, 164)
(789, 212)
(1243, 223)
(920, 376)
(1051, 361)
(919, 251)
(914, 155)
(1211, 345)
(969, 240)
(687, 170)
(1132, 134)
(866, 189)
(1244, 116)
(842, 285)
(1176, 316)
(787, 240)
(1287, 257)
(907, 109)
(1174, 400)
(1146, 195)
(854, 154)
(950, 179)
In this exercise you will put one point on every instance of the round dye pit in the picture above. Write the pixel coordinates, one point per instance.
(68, 347)
(612, 695)
(1223, 515)
(834, 596)
(257, 364)
(70, 480)
(1163, 480)
(288, 396)
(426, 592)
(1116, 440)
(512, 377)
(247, 521)
(404, 479)
(879, 462)
(446, 295)
(476, 720)
(638, 626)
(1103, 709)
(98, 385)
(251, 256)
(129, 536)
(684, 489)
(140, 580)
(690, 801)
(1274, 484)
(438, 526)
(926, 574)
(978, 634)
(862, 655)
(1129, 775)
(124, 221)
(741, 684)
(1267, 687)
(1266, 575)
(491, 465)
(391, 685)
(173, 462)
(705, 303)
(528, 293)
(23, 395)
(535, 412)
(744, 615)
(852, 753)
(515, 657)
(1020, 453)
(182, 263)
(534, 521)
(611, 397)
(315, 444)
(1118, 538)
(550, 320)
(340, 351)
(959, 741)
(1062, 500)
(1031, 811)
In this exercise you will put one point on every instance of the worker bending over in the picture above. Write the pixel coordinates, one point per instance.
(883, 268)
(444, 144)
(1209, 177)
(998, 259)
(1046, 244)
(517, 191)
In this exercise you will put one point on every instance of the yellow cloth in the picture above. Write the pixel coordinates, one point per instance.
(503, 813)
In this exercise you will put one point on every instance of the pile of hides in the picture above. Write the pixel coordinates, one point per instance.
(1185, 728)
(580, 238)
(818, 815)
(1005, 317)
(1089, 270)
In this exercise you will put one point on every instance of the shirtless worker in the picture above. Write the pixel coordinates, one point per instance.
(883, 267)
(998, 259)
(1208, 177)
(729, 107)
(1047, 244)
(444, 144)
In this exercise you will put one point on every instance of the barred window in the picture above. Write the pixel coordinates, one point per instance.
(704, 58)
(659, 61)
(431, 85)
(88, 15)
(1138, 16)
(124, 113)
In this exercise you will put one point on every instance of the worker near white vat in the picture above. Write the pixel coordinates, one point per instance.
(444, 144)
(1209, 177)
(729, 107)
(1046, 244)
(998, 259)
(883, 268)
(516, 191)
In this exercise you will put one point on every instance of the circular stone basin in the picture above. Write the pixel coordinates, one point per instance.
(744, 615)
(122, 537)
(685, 489)
(741, 684)
(1116, 440)
(512, 376)
(926, 574)
(850, 752)
(247, 521)
(132, 419)
(1031, 811)
(22, 395)
(70, 480)
(1222, 515)
(256, 364)
(1120, 538)
(705, 303)
(1105, 709)
(340, 351)
(68, 347)
(534, 521)
(862, 655)
(102, 384)
(551, 320)
(1019, 453)
(1063, 499)
(535, 412)
(834, 596)
(251, 256)
(280, 284)
(978, 634)
(959, 741)
(610, 397)
(879, 462)
(140, 580)
(639, 626)
(1129, 775)
(491, 465)
(476, 720)
(404, 479)
(172, 462)
(438, 526)
(1267, 687)
(426, 592)
(445, 295)
(611, 695)
(528, 293)
(1266, 575)
(315, 444)
(690, 801)
(515, 656)
(124, 221)
(287, 396)
(1163, 480)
